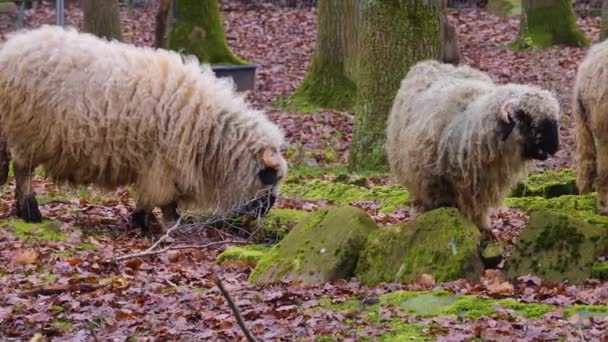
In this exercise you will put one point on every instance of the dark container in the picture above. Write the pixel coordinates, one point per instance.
(242, 75)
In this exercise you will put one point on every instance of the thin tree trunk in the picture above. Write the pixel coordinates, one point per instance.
(604, 25)
(330, 82)
(545, 23)
(199, 31)
(396, 34)
(101, 18)
(163, 17)
(449, 39)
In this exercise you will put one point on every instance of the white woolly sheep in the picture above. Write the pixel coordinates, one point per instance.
(111, 114)
(455, 138)
(590, 111)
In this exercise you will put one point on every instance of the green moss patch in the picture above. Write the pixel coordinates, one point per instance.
(278, 222)
(504, 8)
(547, 184)
(44, 231)
(439, 242)
(583, 207)
(389, 197)
(599, 270)
(557, 247)
(586, 311)
(251, 253)
(324, 247)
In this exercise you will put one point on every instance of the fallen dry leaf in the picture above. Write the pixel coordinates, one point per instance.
(25, 257)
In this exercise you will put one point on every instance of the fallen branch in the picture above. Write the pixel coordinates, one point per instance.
(149, 252)
(56, 289)
(235, 310)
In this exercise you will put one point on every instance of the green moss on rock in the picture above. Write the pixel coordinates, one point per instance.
(439, 242)
(547, 184)
(389, 197)
(583, 207)
(557, 247)
(504, 8)
(44, 231)
(323, 247)
(251, 253)
(278, 222)
(492, 253)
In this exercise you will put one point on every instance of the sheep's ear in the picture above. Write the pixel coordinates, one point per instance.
(269, 158)
(505, 120)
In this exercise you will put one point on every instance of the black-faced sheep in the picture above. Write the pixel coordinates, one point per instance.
(590, 111)
(455, 138)
(111, 114)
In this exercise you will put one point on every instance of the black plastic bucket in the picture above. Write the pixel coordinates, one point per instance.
(242, 75)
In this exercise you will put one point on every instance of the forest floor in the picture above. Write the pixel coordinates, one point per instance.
(172, 296)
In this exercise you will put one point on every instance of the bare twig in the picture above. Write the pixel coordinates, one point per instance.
(235, 310)
(149, 252)
(56, 289)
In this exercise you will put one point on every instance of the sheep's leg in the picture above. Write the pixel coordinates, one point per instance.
(586, 163)
(27, 206)
(602, 176)
(144, 218)
(170, 214)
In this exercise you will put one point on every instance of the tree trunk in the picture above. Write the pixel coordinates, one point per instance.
(199, 31)
(449, 39)
(546, 23)
(396, 34)
(163, 18)
(101, 18)
(604, 25)
(330, 79)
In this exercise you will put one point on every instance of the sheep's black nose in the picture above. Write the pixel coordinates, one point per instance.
(549, 132)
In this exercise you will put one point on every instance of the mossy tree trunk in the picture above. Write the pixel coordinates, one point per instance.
(101, 18)
(604, 25)
(545, 23)
(330, 82)
(396, 34)
(198, 31)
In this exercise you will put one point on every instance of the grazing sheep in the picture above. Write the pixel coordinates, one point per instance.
(112, 114)
(454, 138)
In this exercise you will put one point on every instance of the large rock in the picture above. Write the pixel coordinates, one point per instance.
(547, 184)
(441, 243)
(557, 247)
(323, 247)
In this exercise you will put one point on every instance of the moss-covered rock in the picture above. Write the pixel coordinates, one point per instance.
(440, 242)
(252, 253)
(599, 270)
(278, 222)
(389, 197)
(557, 247)
(323, 247)
(492, 253)
(504, 8)
(547, 184)
(583, 207)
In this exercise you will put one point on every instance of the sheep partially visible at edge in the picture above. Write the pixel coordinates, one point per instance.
(112, 114)
(590, 111)
(455, 138)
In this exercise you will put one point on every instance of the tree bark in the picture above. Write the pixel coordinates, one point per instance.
(396, 34)
(449, 38)
(545, 23)
(330, 82)
(101, 18)
(163, 16)
(199, 31)
(604, 25)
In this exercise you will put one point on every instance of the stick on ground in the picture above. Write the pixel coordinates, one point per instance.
(56, 289)
(235, 310)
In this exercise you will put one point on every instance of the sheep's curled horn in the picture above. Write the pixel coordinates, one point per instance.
(507, 123)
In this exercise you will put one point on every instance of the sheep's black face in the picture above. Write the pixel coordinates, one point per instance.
(540, 139)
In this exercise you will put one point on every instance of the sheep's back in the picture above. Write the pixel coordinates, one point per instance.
(93, 111)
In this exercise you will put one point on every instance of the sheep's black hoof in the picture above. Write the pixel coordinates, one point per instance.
(147, 222)
(28, 210)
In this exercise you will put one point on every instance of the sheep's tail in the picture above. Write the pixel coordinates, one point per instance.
(585, 145)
